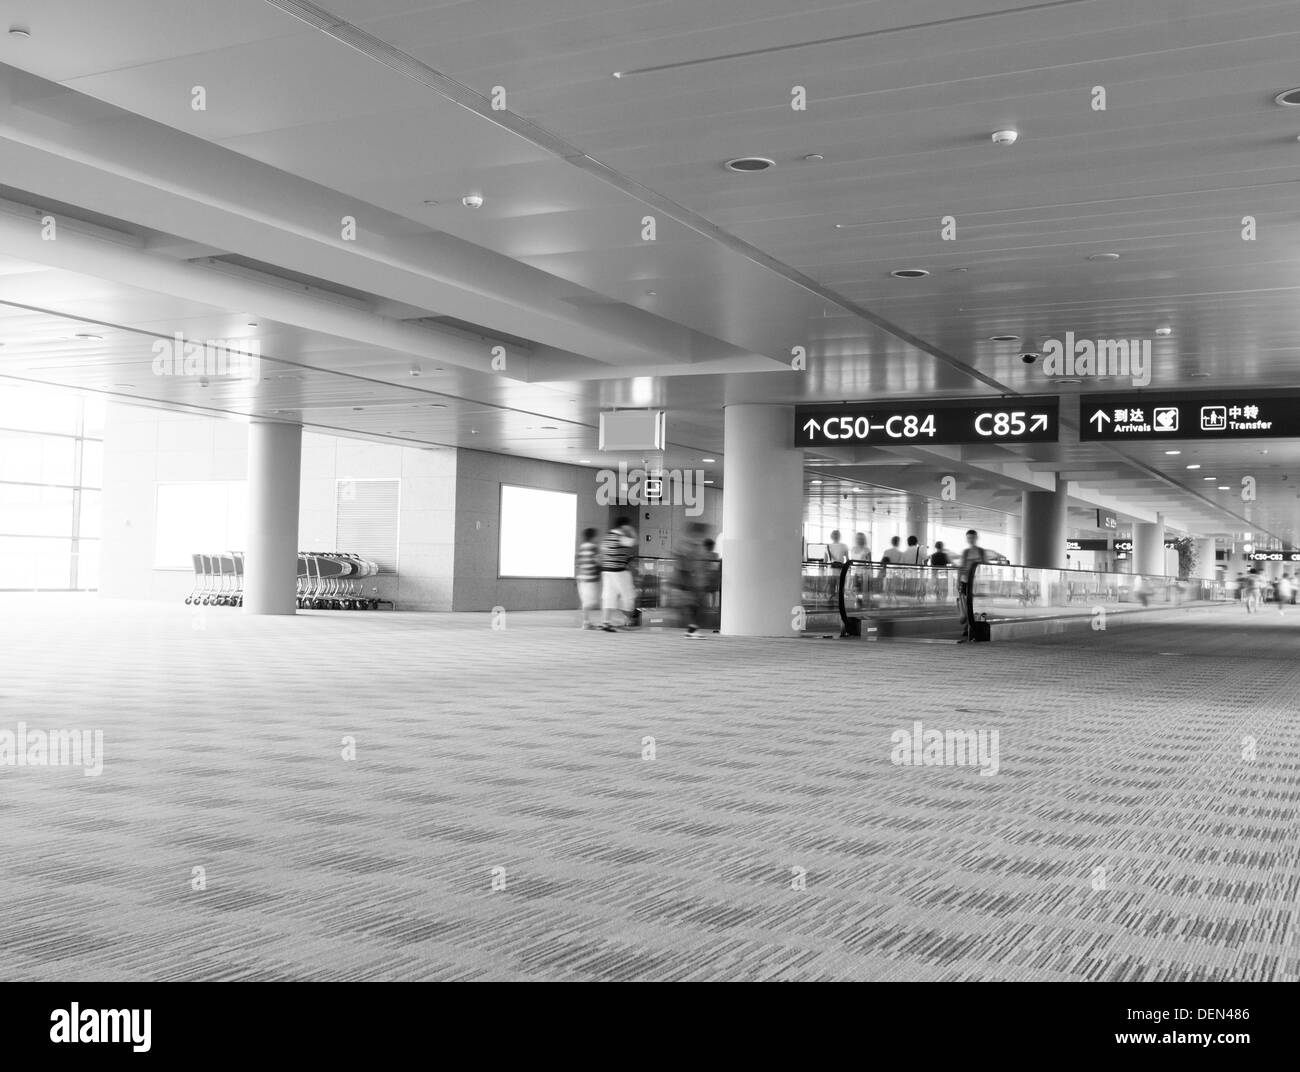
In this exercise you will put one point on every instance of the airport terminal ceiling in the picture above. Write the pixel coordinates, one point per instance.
(618, 262)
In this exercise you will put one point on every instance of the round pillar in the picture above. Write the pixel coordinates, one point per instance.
(1149, 547)
(1043, 517)
(762, 522)
(274, 478)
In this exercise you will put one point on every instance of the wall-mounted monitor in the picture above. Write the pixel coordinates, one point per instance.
(538, 533)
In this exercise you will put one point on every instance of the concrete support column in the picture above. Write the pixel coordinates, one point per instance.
(1149, 547)
(762, 521)
(916, 522)
(1043, 516)
(274, 479)
(1205, 559)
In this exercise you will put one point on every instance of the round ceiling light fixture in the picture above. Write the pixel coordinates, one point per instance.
(1004, 338)
(19, 31)
(1005, 137)
(1289, 98)
(1164, 331)
(909, 273)
(86, 336)
(1103, 256)
(472, 200)
(748, 164)
(814, 157)
(1193, 466)
(1067, 381)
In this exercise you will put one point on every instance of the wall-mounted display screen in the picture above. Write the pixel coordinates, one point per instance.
(538, 532)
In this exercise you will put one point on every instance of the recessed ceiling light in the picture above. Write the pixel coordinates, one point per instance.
(1209, 478)
(357, 409)
(124, 385)
(1004, 338)
(1289, 98)
(909, 273)
(584, 461)
(1193, 467)
(617, 74)
(473, 431)
(19, 31)
(549, 428)
(708, 482)
(1263, 452)
(708, 461)
(1200, 375)
(88, 336)
(1164, 331)
(814, 157)
(959, 269)
(1224, 487)
(814, 482)
(1067, 381)
(472, 200)
(1173, 452)
(406, 431)
(430, 201)
(650, 293)
(1103, 256)
(748, 164)
(437, 405)
(1005, 137)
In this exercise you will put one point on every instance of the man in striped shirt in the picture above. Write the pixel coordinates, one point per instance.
(586, 569)
(617, 588)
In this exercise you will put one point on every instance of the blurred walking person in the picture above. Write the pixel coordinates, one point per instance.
(617, 590)
(688, 576)
(586, 570)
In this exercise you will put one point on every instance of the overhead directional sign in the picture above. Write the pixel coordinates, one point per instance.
(1025, 420)
(1227, 414)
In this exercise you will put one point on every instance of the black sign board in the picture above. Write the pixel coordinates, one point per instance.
(1226, 414)
(1273, 556)
(1087, 545)
(1127, 545)
(1107, 520)
(1027, 420)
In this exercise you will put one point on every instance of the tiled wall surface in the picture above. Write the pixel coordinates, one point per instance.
(144, 447)
(479, 477)
(449, 519)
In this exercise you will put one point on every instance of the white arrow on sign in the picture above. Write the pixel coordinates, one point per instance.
(1040, 421)
(1099, 417)
(811, 428)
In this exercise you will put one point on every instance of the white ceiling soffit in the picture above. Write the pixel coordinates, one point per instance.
(135, 169)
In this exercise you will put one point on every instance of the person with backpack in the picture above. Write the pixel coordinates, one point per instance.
(617, 590)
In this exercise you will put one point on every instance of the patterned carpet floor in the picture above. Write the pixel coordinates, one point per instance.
(1142, 824)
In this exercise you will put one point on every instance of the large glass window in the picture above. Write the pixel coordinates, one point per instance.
(538, 532)
(51, 451)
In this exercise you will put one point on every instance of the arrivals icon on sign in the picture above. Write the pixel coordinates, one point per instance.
(1214, 418)
(1166, 418)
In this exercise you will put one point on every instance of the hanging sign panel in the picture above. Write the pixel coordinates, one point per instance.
(1024, 420)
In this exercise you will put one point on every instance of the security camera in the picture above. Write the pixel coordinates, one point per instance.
(1028, 359)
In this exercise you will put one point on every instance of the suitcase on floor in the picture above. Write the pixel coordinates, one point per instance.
(980, 630)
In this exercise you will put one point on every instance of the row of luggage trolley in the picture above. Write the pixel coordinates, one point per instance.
(327, 580)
